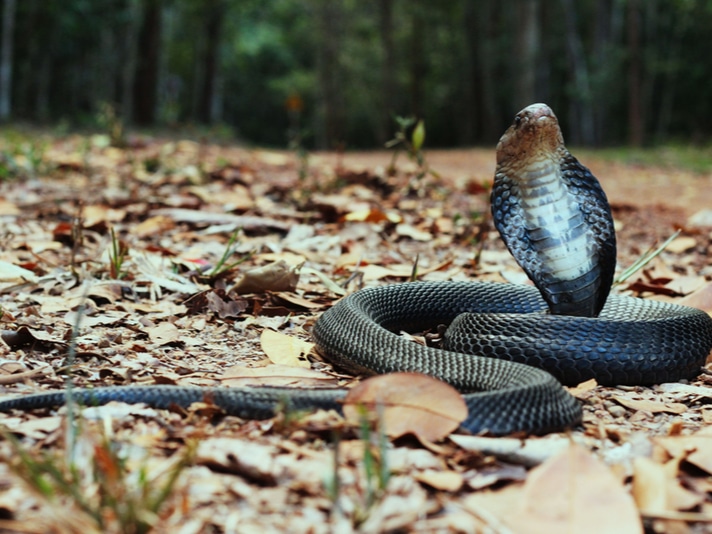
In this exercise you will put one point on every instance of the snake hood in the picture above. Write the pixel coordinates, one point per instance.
(553, 215)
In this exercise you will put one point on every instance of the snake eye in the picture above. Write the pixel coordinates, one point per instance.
(517, 121)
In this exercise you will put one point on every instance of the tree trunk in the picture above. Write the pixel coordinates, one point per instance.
(635, 108)
(145, 93)
(331, 112)
(418, 68)
(8, 29)
(491, 125)
(581, 121)
(385, 15)
(527, 53)
(471, 39)
(130, 55)
(208, 110)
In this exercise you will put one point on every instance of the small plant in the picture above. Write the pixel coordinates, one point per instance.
(296, 134)
(374, 463)
(222, 266)
(23, 160)
(117, 256)
(412, 144)
(93, 474)
(110, 121)
(99, 483)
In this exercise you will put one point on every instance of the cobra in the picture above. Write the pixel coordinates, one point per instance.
(508, 348)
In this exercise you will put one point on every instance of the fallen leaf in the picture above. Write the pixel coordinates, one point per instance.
(583, 387)
(681, 244)
(26, 337)
(277, 276)
(275, 375)
(575, 492)
(285, 350)
(153, 226)
(441, 480)
(697, 448)
(652, 406)
(164, 333)
(13, 273)
(291, 298)
(657, 490)
(701, 298)
(408, 230)
(528, 452)
(412, 403)
(685, 285)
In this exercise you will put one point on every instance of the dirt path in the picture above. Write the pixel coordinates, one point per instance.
(639, 186)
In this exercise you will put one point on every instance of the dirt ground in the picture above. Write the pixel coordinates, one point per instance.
(128, 243)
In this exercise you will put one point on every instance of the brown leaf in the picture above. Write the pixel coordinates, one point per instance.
(701, 298)
(681, 244)
(25, 337)
(153, 226)
(277, 276)
(652, 406)
(656, 489)
(441, 480)
(696, 448)
(164, 333)
(412, 404)
(575, 492)
(285, 350)
(275, 375)
(224, 305)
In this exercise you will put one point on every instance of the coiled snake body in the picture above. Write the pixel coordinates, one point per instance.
(508, 347)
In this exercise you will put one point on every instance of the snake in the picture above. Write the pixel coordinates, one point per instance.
(508, 348)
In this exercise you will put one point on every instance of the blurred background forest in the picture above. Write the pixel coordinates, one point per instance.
(335, 73)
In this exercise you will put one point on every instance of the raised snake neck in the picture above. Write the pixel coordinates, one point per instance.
(632, 341)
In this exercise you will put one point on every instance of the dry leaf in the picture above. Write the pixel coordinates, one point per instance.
(650, 405)
(285, 350)
(163, 333)
(575, 492)
(681, 244)
(275, 375)
(412, 404)
(656, 489)
(441, 480)
(529, 452)
(277, 276)
(685, 285)
(697, 448)
(153, 226)
(13, 273)
(583, 388)
(701, 299)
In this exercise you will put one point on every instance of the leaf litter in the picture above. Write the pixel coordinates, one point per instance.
(301, 243)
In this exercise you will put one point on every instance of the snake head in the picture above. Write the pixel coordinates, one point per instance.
(534, 135)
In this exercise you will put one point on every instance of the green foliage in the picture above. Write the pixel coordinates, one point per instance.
(412, 144)
(100, 484)
(222, 266)
(117, 255)
(22, 157)
(455, 64)
(374, 462)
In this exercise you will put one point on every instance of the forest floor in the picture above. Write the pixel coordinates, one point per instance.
(155, 304)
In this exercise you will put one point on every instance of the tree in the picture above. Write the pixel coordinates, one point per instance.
(145, 93)
(8, 30)
(208, 111)
(635, 110)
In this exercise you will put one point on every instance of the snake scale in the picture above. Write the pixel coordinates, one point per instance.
(509, 347)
